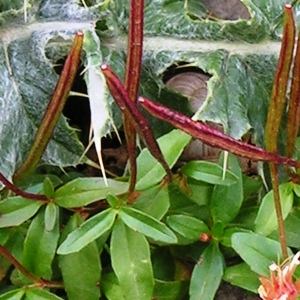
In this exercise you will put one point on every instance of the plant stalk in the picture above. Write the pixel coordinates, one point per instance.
(53, 111)
(20, 192)
(139, 122)
(213, 137)
(19, 266)
(278, 209)
(132, 79)
(276, 109)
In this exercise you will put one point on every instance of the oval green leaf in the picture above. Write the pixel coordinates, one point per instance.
(88, 232)
(189, 227)
(257, 251)
(241, 275)
(16, 210)
(209, 172)
(80, 282)
(131, 262)
(266, 220)
(147, 225)
(13, 295)
(40, 246)
(207, 274)
(226, 201)
(83, 191)
(111, 287)
(154, 201)
(51, 215)
(40, 294)
(48, 187)
(149, 170)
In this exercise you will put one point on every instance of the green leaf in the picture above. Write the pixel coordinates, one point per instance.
(111, 288)
(80, 282)
(153, 201)
(207, 274)
(16, 210)
(257, 251)
(189, 227)
(296, 188)
(199, 192)
(208, 172)
(51, 216)
(266, 220)
(240, 73)
(227, 235)
(149, 169)
(48, 188)
(291, 227)
(170, 290)
(4, 235)
(88, 231)
(83, 191)
(113, 201)
(13, 295)
(147, 225)
(241, 275)
(227, 200)
(264, 19)
(40, 294)
(251, 185)
(40, 246)
(131, 262)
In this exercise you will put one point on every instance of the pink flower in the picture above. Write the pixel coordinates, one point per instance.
(280, 285)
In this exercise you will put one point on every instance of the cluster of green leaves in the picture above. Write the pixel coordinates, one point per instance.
(202, 217)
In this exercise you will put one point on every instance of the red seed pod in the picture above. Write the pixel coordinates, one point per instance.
(204, 237)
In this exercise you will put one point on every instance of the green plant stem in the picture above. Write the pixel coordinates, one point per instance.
(281, 231)
(132, 79)
(21, 193)
(53, 111)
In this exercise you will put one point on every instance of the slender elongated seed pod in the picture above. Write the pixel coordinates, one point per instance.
(213, 137)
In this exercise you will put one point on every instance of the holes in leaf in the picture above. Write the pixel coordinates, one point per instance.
(226, 10)
(216, 10)
(77, 108)
(189, 81)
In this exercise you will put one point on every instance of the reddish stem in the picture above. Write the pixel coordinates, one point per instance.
(37, 280)
(294, 105)
(279, 91)
(134, 49)
(278, 209)
(132, 78)
(131, 111)
(19, 192)
(276, 109)
(53, 111)
(19, 266)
